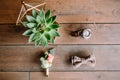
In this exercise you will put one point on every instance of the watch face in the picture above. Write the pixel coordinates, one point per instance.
(86, 33)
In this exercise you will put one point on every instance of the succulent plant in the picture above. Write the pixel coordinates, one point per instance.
(42, 27)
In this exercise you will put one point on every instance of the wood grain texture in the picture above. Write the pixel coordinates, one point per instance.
(76, 76)
(80, 11)
(17, 55)
(26, 58)
(102, 34)
(68, 11)
(14, 76)
(11, 34)
(20, 58)
(9, 10)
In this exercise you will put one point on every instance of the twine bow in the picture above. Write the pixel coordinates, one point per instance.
(77, 61)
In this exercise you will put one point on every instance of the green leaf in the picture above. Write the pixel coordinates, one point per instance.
(27, 32)
(44, 41)
(42, 16)
(25, 23)
(30, 18)
(54, 33)
(49, 21)
(37, 38)
(47, 36)
(32, 37)
(39, 25)
(34, 30)
(52, 51)
(53, 19)
(37, 42)
(34, 13)
(52, 39)
(47, 15)
(47, 29)
(38, 19)
(54, 26)
(57, 34)
(31, 25)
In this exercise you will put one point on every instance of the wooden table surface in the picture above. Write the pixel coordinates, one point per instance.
(19, 60)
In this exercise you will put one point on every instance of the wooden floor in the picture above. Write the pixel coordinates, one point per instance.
(20, 60)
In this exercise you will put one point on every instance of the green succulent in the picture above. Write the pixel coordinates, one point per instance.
(41, 27)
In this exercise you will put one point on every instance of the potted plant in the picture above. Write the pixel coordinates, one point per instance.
(42, 28)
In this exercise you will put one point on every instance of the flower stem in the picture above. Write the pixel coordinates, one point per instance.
(47, 72)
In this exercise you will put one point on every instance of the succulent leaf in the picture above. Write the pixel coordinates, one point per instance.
(44, 41)
(54, 26)
(27, 32)
(31, 25)
(30, 18)
(25, 23)
(47, 15)
(53, 19)
(34, 13)
(32, 37)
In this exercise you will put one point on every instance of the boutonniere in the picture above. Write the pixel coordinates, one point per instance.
(47, 59)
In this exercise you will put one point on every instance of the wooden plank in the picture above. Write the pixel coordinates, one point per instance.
(11, 34)
(26, 58)
(86, 19)
(9, 10)
(14, 76)
(82, 11)
(76, 76)
(68, 11)
(18, 58)
(102, 34)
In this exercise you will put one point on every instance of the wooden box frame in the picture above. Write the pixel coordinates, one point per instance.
(27, 8)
